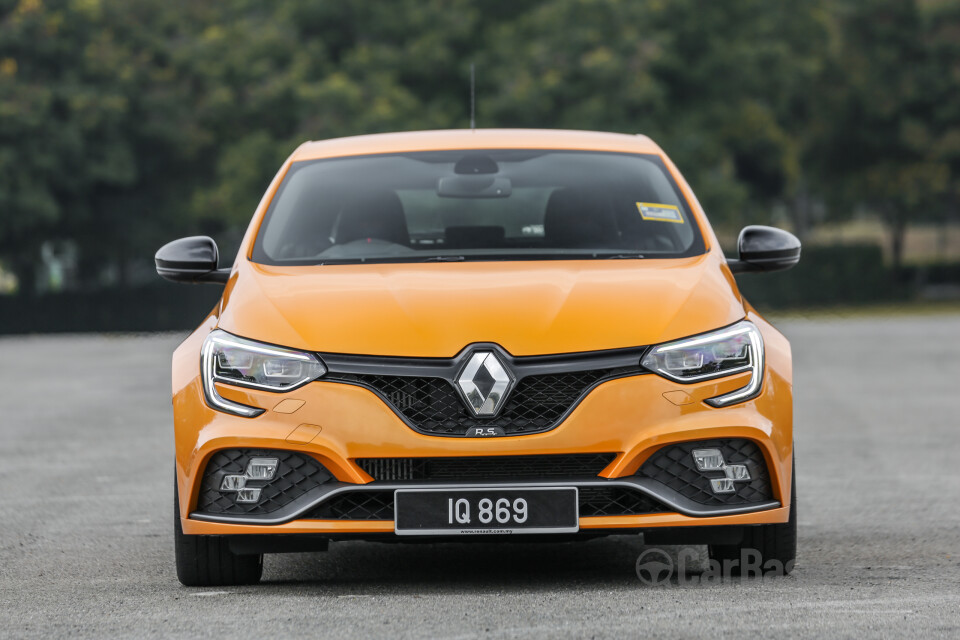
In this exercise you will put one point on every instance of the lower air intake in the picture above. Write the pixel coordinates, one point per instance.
(378, 505)
(296, 473)
(479, 468)
(616, 501)
(675, 467)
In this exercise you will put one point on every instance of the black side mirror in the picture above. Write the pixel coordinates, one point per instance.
(765, 249)
(192, 259)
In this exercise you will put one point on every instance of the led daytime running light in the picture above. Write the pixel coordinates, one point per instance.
(236, 361)
(726, 352)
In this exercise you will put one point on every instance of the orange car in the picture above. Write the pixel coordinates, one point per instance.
(479, 335)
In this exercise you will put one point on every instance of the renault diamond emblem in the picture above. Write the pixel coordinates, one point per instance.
(484, 383)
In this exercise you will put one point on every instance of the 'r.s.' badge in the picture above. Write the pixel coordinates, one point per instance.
(484, 432)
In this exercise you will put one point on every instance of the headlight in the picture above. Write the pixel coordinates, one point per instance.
(720, 353)
(244, 363)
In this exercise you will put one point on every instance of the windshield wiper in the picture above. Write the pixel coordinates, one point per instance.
(444, 259)
(624, 256)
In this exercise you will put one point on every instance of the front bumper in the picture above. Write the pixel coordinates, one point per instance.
(339, 424)
(639, 485)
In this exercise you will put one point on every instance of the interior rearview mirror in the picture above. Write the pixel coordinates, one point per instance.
(765, 249)
(481, 186)
(191, 260)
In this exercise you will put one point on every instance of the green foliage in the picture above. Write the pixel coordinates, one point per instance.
(124, 124)
(719, 85)
(884, 129)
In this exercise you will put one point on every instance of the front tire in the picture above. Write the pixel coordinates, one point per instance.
(206, 561)
(775, 543)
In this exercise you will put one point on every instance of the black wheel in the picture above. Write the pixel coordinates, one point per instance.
(776, 544)
(206, 561)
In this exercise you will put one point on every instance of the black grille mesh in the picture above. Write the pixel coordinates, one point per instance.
(433, 406)
(674, 466)
(378, 505)
(616, 501)
(296, 474)
(355, 505)
(487, 467)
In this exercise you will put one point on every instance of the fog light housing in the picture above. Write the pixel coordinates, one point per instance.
(257, 470)
(722, 485)
(262, 468)
(708, 459)
(712, 460)
(233, 483)
(248, 495)
(737, 472)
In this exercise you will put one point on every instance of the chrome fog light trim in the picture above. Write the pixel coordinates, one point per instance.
(248, 495)
(722, 485)
(233, 483)
(737, 472)
(262, 468)
(712, 460)
(708, 459)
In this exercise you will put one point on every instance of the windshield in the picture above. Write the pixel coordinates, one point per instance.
(477, 205)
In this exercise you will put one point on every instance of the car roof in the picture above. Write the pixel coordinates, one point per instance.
(411, 141)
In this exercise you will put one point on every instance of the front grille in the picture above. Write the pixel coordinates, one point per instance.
(616, 501)
(296, 474)
(378, 505)
(674, 466)
(433, 406)
(487, 467)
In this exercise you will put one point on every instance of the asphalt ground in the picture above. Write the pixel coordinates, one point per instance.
(86, 531)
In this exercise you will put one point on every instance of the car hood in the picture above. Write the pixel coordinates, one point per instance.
(436, 309)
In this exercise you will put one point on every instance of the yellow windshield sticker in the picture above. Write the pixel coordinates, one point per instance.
(660, 212)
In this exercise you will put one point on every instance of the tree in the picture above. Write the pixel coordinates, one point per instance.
(124, 124)
(724, 87)
(941, 24)
(876, 140)
(94, 130)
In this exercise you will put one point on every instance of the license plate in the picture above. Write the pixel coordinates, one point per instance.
(485, 511)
